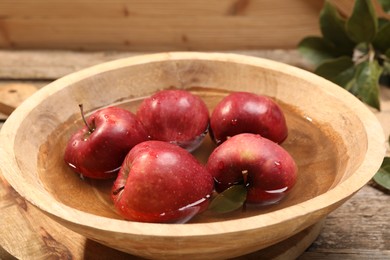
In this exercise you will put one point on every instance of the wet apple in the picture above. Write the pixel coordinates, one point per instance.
(175, 116)
(161, 182)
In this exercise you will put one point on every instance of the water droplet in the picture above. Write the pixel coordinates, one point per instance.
(277, 191)
(308, 118)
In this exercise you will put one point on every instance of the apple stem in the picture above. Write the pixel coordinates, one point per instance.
(83, 117)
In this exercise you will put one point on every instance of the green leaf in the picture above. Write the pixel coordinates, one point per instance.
(229, 200)
(365, 84)
(386, 67)
(382, 177)
(385, 5)
(339, 70)
(363, 23)
(382, 22)
(382, 38)
(333, 29)
(316, 49)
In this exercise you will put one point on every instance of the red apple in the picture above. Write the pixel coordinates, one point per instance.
(98, 149)
(266, 169)
(244, 112)
(161, 182)
(175, 116)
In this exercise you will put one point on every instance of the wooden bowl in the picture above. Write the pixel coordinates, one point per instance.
(336, 141)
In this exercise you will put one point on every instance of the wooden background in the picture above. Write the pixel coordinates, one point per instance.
(159, 25)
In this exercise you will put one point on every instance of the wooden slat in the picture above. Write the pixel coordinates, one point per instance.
(155, 8)
(144, 34)
(157, 25)
(50, 65)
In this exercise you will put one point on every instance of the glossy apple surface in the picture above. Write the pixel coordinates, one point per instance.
(244, 112)
(264, 167)
(175, 116)
(161, 182)
(99, 153)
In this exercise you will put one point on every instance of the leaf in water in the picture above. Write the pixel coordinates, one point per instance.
(333, 29)
(316, 49)
(363, 23)
(229, 200)
(382, 177)
(382, 38)
(385, 5)
(365, 84)
(340, 70)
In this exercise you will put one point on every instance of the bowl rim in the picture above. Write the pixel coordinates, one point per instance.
(375, 152)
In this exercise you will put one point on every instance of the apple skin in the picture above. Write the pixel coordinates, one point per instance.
(175, 116)
(244, 112)
(270, 170)
(161, 182)
(99, 154)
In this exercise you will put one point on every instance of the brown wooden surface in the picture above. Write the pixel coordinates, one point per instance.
(156, 25)
(357, 230)
(160, 25)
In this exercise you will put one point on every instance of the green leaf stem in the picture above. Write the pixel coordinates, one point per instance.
(353, 52)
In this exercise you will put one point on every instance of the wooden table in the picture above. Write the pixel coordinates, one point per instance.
(359, 229)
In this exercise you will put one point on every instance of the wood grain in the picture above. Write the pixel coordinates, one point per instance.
(158, 25)
(49, 65)
(13, 95)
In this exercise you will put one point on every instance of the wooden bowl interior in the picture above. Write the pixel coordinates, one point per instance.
(327, 138)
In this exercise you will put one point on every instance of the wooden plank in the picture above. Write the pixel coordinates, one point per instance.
(351, 254)
(170, 33)
(155, 8)
(49, 65)
(12, 95)
(157, 25)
